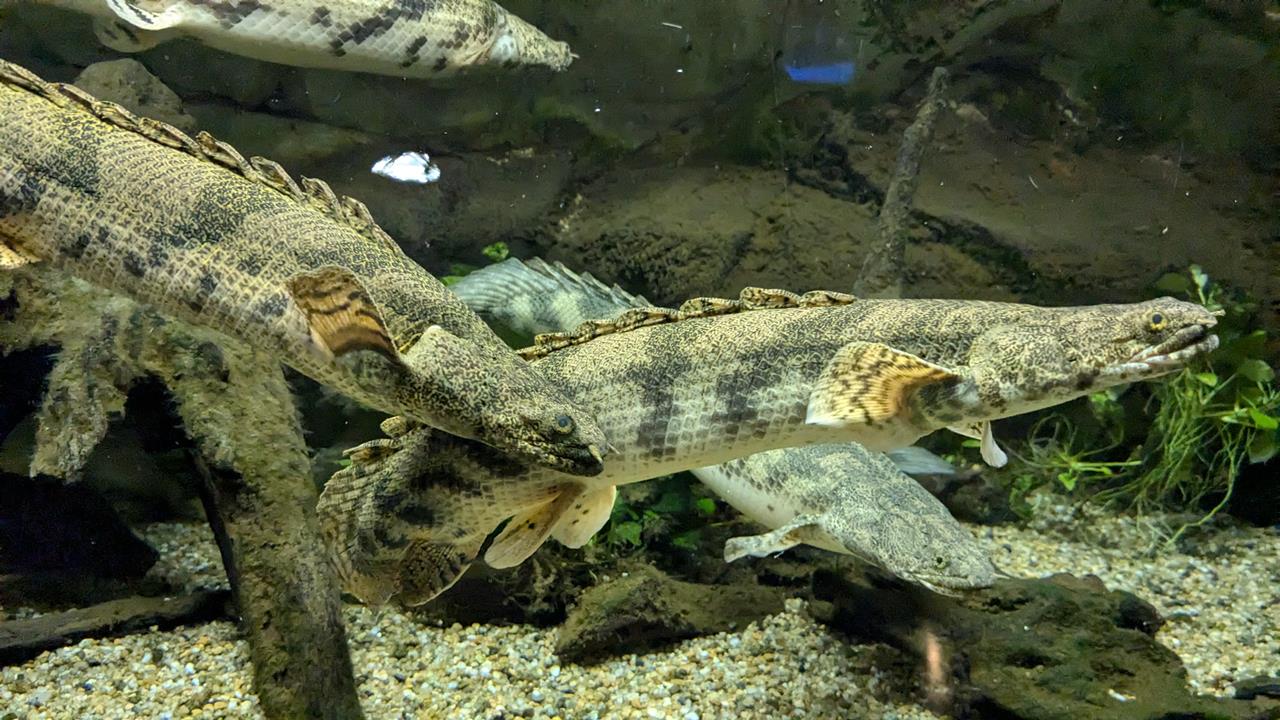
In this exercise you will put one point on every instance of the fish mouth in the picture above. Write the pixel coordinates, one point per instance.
(1171, 355)
(584, 460)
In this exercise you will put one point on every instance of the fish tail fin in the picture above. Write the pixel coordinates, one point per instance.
(428, 568)
(359, 539)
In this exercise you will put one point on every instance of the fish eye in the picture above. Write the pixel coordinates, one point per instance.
(564, 423)
(1157, 321)
(939, 561)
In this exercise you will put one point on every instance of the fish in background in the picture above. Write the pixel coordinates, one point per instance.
(415, 39)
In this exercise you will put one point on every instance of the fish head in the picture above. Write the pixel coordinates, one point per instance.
(516, 42)
(553, 433)
(931, 549)
(491, 395)
(1056, 354)
(889, 520)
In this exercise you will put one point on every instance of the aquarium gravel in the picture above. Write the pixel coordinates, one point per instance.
(786, 667)
(1222, 605)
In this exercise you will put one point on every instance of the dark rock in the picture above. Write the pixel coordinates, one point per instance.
(1258, 687)
(21, 640)
(1256, 498)
(646, 608)
(1062, 647)
(48, 525)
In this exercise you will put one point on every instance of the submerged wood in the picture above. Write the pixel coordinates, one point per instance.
(235, 404)
(21, 640)
(883, 270)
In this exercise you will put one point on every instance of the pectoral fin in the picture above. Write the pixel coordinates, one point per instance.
(585, 517)
(125, 37)
(12, 258)
(991, 452)
(145, 19)
(339, 312)
(429, 568)
(526, 532)
(869, 384)
(799, 531)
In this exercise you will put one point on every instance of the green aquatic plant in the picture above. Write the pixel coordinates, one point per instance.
(1214, 417)
(673, 514)
(1206, 423)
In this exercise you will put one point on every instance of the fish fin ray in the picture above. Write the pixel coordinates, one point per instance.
(585, 517)
(526, 532)
(145, 19)
(124, 37)
(341, 315)
(786, 537)
(868, 384)
(428, 568)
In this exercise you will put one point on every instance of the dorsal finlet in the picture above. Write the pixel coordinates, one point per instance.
(312, 192)
(751, 298)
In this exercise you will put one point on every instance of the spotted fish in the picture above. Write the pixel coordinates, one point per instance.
(720, 379)
(838, 497)
(192, 228)
(404, 38)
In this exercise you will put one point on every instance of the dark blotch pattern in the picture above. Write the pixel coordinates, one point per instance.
(362, 31)
(24, 198)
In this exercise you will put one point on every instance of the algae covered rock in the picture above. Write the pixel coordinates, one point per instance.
(644, 608)
(1057, 648)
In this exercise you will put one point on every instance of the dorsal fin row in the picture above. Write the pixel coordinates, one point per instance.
(751, 298)
(558, 272)
(316, 194)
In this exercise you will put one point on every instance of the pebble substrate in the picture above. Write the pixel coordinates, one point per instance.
(1223, 605)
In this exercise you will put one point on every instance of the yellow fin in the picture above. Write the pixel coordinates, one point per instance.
(585, 517)
(526, 532)
(11, 258)
(340, 313)
(868, 384)
(429, 568)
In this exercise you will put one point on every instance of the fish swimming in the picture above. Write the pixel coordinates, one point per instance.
(192, 228)
(720, 379)
(838, 497)
(402, 38)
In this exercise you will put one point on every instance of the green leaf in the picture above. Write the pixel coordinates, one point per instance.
(1263, 447)
(705, 506)
(970, 443)
(626, 533)
(671, 502)
(1200, 277)
(449, 279)
(688, 540)
(1173, 283)
(1263, 421)
(1068, 481)
(1256, 370)
(1208, 378)
(497, 252)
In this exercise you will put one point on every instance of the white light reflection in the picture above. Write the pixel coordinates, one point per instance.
(409, 167)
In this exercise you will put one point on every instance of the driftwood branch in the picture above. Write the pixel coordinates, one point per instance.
(21, 640)
(883, 270)
(259, 495)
